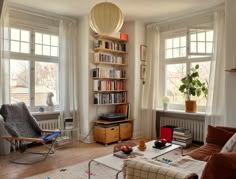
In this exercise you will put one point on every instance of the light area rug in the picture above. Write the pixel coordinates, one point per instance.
(79, 171)
(97, 171)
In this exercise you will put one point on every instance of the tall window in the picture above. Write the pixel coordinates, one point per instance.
(34, 66)
(181, 52)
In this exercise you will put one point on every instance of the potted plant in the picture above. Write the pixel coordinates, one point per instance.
(192, 86)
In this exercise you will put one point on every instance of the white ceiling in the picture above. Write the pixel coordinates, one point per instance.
(145, 10)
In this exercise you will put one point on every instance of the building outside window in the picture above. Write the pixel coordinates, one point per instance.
(180, 51)
(34, 66)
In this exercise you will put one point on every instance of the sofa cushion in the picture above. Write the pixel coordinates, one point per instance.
(230, 145)
(220, 166)
(204, 152)
(136, 168)
(218, 136)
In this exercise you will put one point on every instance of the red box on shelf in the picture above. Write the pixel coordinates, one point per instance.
(166, 132)
(123, 36)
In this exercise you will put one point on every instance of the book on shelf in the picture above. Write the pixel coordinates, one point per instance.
(123, 108)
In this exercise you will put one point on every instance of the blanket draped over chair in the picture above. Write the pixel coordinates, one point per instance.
(23, 127)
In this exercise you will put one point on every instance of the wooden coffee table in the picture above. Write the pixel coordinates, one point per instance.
(116, 163)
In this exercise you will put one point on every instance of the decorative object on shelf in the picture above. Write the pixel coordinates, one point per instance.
(165, 101)
(106, 18)
(143, 53)
(192, 86)
(143, 71)
(49, 99)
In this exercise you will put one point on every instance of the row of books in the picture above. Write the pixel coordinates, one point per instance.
(110, 45)
(108, 85)
(108, 58)
(182, 137)
(110, 98)
(108, 73)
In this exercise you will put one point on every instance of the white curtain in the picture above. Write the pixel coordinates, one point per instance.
(69, 71)
(5, 56)
(150, 90)
(215, 109)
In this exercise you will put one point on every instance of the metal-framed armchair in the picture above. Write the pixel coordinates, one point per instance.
(24, 130)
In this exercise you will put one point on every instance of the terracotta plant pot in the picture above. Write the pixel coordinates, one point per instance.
(191, 106)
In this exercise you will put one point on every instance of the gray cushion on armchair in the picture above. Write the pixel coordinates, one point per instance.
(15, 117)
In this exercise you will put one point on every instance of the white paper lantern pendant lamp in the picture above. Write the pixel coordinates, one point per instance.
(106, 18)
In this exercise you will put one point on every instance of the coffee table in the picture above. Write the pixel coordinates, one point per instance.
(116, 163)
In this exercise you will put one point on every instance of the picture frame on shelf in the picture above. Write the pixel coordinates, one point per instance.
(143, 71)
(143, 53)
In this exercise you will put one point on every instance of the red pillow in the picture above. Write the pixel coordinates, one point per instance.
(217, 136)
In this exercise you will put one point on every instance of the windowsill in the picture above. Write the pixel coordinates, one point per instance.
(173, 111)
(45, 113)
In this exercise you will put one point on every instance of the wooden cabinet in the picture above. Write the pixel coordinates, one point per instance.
(108, 132)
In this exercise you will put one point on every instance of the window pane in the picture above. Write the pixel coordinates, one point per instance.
(19, 81)
(15, 46)
(176, 52)
(201, 47)
(168, 54)
(201, 36)
(176, 42)
(209, 47)
(25, 47)
(38, 38)
(46, 80)
(183, 41)
(209, 36)
(54, 51)
(204, 73)
(38, 49)
(25, 36)
(182, 52)
(174, 74)
(168, 43)
(193, 37)
(46, 39)
(15, 34)
(46, 50)
(54, 40)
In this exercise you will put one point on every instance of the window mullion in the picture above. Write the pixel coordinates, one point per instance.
(32, 72)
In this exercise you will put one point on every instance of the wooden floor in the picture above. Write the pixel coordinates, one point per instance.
(72, 154)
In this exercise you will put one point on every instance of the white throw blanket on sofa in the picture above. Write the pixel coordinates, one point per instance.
(182, 168)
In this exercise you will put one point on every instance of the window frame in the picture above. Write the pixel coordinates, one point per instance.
(186, 60)
(31, 57)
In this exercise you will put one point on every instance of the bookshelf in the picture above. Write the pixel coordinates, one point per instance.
(109, 75)
(109, 87)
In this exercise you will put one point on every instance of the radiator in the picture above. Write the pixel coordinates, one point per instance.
(196, 126)
(49, 124)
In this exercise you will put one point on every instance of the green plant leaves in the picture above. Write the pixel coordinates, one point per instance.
(192, 86)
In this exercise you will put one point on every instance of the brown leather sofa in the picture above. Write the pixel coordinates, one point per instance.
(219, 165)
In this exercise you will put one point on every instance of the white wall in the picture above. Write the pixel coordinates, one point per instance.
(230, 15)
(136, 32)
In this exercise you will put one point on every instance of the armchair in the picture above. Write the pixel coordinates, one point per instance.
(24, 129)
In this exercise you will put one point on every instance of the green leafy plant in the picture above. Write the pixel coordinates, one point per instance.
(192, 86)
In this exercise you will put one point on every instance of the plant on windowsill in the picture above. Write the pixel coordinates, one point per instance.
(192, 86)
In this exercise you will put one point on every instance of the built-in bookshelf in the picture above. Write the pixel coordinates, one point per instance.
(109, 75)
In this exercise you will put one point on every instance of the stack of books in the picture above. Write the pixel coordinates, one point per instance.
(182, 137)
(63, 140)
